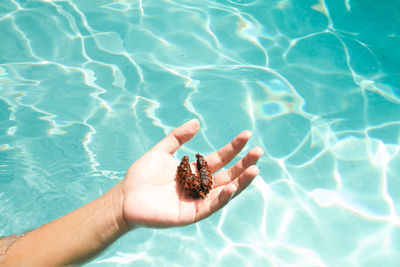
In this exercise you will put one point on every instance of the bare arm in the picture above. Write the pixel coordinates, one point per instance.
(74, 237)
(148, 196)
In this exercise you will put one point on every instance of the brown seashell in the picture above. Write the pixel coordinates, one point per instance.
(195, 185)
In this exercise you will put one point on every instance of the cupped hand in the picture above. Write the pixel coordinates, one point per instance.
(152, 196)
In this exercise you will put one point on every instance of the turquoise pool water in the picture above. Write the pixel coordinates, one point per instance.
(86, 87)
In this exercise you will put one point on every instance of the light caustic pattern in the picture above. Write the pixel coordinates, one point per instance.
(86, 87)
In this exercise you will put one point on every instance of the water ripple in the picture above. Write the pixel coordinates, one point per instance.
(87, 87)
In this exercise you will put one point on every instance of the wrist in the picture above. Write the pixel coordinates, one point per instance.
(117, 198)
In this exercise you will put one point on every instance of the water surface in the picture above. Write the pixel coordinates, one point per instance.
(86, 87)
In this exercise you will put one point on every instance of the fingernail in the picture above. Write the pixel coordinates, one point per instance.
(233, 193)
(190, 121)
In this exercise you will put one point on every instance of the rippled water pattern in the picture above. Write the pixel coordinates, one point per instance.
(88, 86)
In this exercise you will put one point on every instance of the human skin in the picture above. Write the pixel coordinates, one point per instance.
(148, 196)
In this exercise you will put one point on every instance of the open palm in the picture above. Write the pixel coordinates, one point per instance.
(152, 196)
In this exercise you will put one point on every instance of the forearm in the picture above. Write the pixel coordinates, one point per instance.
(74, 237)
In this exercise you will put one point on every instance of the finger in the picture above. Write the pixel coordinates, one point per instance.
(223, 156)
(178, 136)
(223, 194)
(226, 176)
(220, 199)
(245, 179)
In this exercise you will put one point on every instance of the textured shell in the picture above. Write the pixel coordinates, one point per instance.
(205, 177)
(198, 185)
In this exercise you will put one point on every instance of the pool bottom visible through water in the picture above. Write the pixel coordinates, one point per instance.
(86, 88)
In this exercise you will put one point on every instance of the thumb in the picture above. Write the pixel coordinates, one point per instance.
(178, 136)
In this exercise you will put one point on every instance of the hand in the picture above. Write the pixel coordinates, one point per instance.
(148, 195)
(153, 198)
